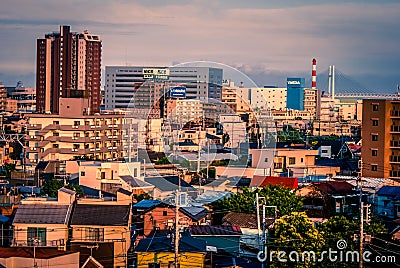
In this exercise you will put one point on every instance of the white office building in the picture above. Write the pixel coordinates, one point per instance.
(121, 82)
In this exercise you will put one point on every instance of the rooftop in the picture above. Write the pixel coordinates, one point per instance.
(101, 215)
(42, 214)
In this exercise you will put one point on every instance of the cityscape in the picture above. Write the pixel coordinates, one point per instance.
(154, 154)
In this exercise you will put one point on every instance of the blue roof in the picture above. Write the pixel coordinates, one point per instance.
(147, 204)
(165, 244)
(389, 190)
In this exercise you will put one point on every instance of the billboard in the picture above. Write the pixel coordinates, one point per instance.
(177, 92)
(156, 74)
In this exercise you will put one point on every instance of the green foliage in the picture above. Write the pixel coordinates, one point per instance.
(211, 172)
(75, 187)
(296, 232)
(284, 198)
(140, 197)
(162, 161)
(50, 188)
(339, 228)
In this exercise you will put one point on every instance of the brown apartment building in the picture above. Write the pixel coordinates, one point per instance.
(381, 139)
(68, 65)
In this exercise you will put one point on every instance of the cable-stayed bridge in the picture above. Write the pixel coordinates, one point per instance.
(347, 87)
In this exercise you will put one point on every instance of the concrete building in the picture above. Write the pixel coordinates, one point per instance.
(187, 110)
(272, 97)
(73, 133)
(381, 139)
(200, 83)
(236, 129)
(3, 98)
(25, 98)
(68, 66)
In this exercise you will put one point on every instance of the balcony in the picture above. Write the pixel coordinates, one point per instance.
(34, 127)
(395, 113)
(47, 243)
(395, 159)
(395, 129)
(395, 144)
(395, 174)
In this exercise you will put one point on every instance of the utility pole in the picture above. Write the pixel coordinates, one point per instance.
(359, 184)
(176, 243)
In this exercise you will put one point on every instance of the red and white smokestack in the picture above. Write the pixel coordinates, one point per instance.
(314, 74)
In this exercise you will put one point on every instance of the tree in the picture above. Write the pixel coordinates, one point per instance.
(284, 198)
(295, 234)
(75, 187)
(50, 188)
(339, 228)
(140, 197)
(162, 161)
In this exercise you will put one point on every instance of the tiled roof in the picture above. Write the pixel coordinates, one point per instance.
(241, 219)
(135, 182)
(287, 182)
(334, 187)
(102, 215)
(215, 230)
(42, 213)
(27, 252)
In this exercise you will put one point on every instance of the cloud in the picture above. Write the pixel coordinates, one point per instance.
(260, 37)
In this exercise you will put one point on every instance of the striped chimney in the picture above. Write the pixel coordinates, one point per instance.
(314, 74)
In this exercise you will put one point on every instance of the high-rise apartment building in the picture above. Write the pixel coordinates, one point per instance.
(68, 66)
(381, 139)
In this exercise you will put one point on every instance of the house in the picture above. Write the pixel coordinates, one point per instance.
(43, 221)
(167, 185)
(225, 238)
(249, 242)
(40, 257)
(263, 181)
(100, 228)
(156, 215)
(160, 250)
(388, 202)
(323, 199)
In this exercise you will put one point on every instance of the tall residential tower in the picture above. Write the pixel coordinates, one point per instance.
(68, 66)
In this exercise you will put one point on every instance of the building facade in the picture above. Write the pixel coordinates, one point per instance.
(67, 65)
(381, 139)
(122, 82)
(71, 134)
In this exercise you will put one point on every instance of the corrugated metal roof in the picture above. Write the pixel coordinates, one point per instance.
(135, 182)
(42, 214)
(215, 230)
(146, 204)
(389, 190)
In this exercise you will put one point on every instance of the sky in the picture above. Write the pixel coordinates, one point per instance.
(268, 40)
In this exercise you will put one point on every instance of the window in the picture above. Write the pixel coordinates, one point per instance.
(374, 167)
(55, 145)
(266, 159)
(94, 234)
(324, 151)
(292, 160)
(83, 173)
(165, 213)
(301, 160)
(36, 236)
(374, 137)
(374, 152)
(375, 107)
(56, 122)
(375, 122)
(76, 123)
